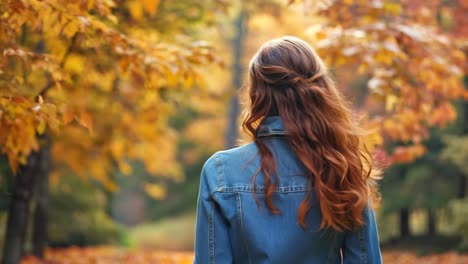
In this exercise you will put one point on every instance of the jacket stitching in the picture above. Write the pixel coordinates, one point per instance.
(362, 245)
(219, 170)
(241, 223)
(284, 189)
(211, 240)
(331, 248)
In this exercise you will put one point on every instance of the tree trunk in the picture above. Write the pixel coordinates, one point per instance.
(39, 239)
(461, 193)
(404, 223)
(18, 213)
(462, 185)
(431, 222)
(234, 108)
(465, 111)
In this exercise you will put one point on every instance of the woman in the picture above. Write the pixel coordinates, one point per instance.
(301, 192)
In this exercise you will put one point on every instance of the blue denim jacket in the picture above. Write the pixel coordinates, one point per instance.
(232, 229)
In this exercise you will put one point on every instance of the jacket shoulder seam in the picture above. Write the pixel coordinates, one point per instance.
(219, 170)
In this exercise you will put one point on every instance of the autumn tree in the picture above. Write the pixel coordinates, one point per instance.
(410, 65)
(89, 84)
(457, 146)
(94, 82)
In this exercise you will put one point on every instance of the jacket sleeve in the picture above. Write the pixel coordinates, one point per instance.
(212, 244)
(362, 245)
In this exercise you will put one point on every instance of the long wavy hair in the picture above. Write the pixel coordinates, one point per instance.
(287, 78)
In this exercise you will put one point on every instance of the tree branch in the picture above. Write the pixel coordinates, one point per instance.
(50, 83)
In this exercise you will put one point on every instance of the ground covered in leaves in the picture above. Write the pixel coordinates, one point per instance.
(105, 255)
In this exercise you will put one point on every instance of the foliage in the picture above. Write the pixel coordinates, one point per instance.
(457, 152)
(99, 78)
(113, 255)
(459, 210)
(430, 182)
(419, 180)
(406, 257)
(77, 215)
(105, 77)
(412, 66)
(416, 185)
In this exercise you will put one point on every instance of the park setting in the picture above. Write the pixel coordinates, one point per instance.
(110, 108)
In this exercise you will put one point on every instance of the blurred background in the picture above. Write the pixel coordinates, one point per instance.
(109, 109)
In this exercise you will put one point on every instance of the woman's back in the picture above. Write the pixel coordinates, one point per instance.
(300, 192)
(231, 228)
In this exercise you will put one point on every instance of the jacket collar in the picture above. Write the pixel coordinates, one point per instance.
(271, 126)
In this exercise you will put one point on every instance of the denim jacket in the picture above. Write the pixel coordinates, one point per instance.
(231, 228)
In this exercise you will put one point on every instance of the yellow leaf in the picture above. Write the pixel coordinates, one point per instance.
(157, 191)
(393, 8)
(110, 185)
(390, 102)
(90, 4)
(118, 148)
(362, 68)
(384, 57)
(41, 127)
(71, 28)
(136, 9)
(125, 168)
(75, 64)
(113, 18)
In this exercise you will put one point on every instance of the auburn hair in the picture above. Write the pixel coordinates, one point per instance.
(287, 78)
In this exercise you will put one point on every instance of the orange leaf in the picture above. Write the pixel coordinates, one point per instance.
(151, 6)
(86, 121)
(68, 115)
